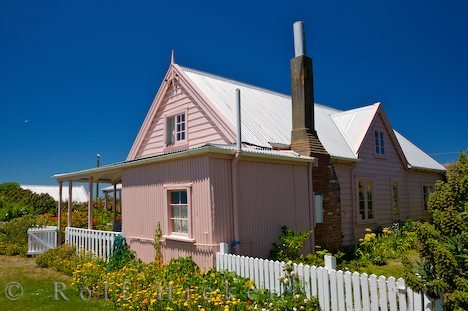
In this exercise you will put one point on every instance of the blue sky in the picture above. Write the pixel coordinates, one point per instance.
(77, 77)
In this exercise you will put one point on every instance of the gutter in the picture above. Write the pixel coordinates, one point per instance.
(173, 156)
(338, 158)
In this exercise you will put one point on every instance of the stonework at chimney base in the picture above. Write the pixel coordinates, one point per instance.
(325, 183)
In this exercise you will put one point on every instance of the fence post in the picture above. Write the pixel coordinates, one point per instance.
(330, 262)
(223, 248)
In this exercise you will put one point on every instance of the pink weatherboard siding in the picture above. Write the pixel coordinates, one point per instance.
(271, 195)
(382, 170)
(200, 129)
(179, 94)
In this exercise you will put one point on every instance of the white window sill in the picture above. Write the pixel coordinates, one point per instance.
(179, 238)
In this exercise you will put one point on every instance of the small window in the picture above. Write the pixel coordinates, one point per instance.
(396, 210)
(379, 142)
(366, 199)
(175, 129)
(427, 190)
(179, 212)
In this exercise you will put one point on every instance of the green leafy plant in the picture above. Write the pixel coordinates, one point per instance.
(14, 235)
(121, 254)
(443, 244)
(289, 244)
(157, 243)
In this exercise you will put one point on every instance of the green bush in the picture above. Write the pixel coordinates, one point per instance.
(14, 236)
(121, 254)
(443, 244)
(289, 245)
(64, 259)
(16, 202)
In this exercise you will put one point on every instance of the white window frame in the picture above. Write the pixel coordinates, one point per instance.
(379, 142)
(174, 132)
(392, 181)
(170, 233)
(424, 203)
(366, 200)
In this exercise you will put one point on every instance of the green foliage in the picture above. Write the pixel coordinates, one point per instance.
(121, 254)
(14, 235)
(378, 249)
(16, 202)
(157, 243)
(64, 259)
(443, 245)
(180, 285)
(289, 244)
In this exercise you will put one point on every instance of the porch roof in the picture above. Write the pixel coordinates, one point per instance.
(112, 173)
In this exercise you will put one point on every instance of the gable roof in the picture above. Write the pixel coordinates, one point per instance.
(416, 157)
(267, 118)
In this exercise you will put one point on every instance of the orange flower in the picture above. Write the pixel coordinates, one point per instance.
(145, 301)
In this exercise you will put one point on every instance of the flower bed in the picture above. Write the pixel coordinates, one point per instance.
(178, 285)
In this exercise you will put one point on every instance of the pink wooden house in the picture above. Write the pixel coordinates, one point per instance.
(208, 179)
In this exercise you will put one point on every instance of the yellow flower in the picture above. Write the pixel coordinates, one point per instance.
(368, 230)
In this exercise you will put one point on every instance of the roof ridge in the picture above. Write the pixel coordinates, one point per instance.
(343, 112)
(255, 87)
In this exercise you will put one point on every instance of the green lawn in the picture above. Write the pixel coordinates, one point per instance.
(394, 267)
(38, 288)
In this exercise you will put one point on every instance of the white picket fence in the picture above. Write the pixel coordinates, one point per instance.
(41, 239)
(335, 290)
(98, 242)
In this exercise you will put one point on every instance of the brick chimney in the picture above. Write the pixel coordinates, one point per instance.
(304, 138)
(305, 141)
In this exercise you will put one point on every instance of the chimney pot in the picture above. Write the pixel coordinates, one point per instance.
(299, 39)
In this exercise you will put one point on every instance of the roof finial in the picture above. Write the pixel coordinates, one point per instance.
(172, 57)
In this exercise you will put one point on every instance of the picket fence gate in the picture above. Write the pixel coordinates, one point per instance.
(97, 242)
(335, 290)
(41, 239)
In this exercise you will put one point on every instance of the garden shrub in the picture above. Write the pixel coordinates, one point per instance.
(443, 244)
(289, 244)
(121, 254)
(16, 202)
(14, 236)
(64, 259)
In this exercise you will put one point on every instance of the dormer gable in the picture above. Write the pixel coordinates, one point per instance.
(179, 118)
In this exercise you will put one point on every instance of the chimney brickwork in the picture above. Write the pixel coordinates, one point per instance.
(305, 141)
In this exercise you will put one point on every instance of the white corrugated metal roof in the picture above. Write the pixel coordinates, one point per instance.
(354, 123)
(266, 117)
(79, 193)
(111, 188)
(415, 156)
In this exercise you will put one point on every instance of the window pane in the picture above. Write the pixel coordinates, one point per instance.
(178, 127)
(183, 197)
(362, 210)
(170, 131)
(178, 119)
(184, 226)
(183, 211)
(176, 225)
(183, 126)
(183, 117)
(182, 136)
(175, 197)
(175, 211)
(178, 137)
